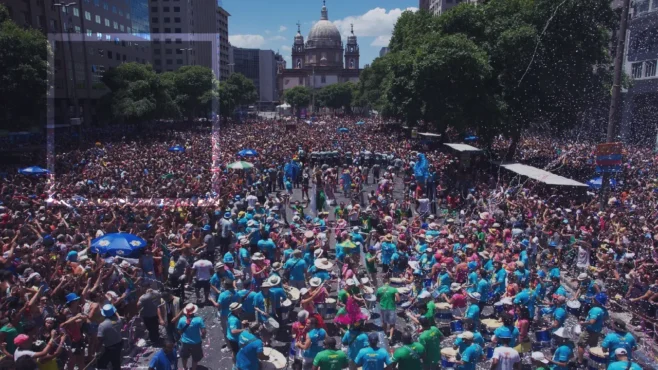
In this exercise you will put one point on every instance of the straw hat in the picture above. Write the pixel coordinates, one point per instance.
(258, 256)
(308, 234)
(315, 282)
(235, 306)
(323, 264)
(274, 280)
(388, 237)
(191, 308)
(455, 287)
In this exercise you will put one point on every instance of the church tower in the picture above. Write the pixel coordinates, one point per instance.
(298, 51)
(352, 51)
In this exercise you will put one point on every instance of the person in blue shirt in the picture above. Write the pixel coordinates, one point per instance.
(483, 288)
(246, 296)
(593, 325)
(460, 345)
(388, 248)
(473, 309)
(619, 338)
(234, 328)
(373, 357)
(296, 268)
(472, 277)
(471, 354)
(224, 301)
(622, 361)
(525, 298)
(445, 279)
(192, 330)
(563, 353)
(312, 342)
(274, 296)
(500, 277)
(522, 275)
(268, 248)
(508, 330)
(559, 313)
(166, 358)
(356, 236)
(355, 340)
(251, 349)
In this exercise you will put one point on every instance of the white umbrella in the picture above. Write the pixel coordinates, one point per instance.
(240, 165)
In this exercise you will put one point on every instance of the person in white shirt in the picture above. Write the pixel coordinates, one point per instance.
(505, 357)
(251, 200)
(423, 206)
(203, 270)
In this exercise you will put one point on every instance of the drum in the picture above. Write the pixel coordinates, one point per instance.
(365, 313)
(397, 282)
(294, 352)
(270, 325)
(286, 307)
(499, 308)
(238, 274)
(293, 294)
(543, 337)
(456, 327)
(573, 307)
(443, 312)
(368, 290)
(404, 294)
(487, 312)
(405, 306)
(276, 358)
(448, 358)
(490, 325)
(330, 308)
(490, 351)
(597, 359)
(370, 297)
(427, 283)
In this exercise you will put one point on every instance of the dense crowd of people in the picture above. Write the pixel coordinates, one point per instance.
(336, 226)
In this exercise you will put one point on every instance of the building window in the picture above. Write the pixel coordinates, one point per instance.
(636, 70)
(165, 9)
(169, 62)
(97, 2)
(157, 62)
(99, 35)
(76, 12)
(105, 6)
(114, 9)
(177, 9)
(109, 54)
(301, 81)
(127, 15)
(167, 30)
(156, 30)
(115, 25)
(179, 41)
(176, 19)
(650, 68)
(167, 41)
(323, 79)
(122, 28)
(178, 30)
(98, 19)
(167, 19)
(154, 19)
(88, 16)
(179, 61)
(154, 9)
(118, 56)
(108, 38)
(77, 29)
(168, 51)
(179, 51)
(107, 22)
(89, 32)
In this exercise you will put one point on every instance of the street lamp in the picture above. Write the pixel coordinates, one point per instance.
(68, 30)
(186, 50)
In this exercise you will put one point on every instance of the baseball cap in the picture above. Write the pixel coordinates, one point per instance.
(538, 356)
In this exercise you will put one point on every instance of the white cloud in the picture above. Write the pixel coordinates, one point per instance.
(381, 41)
(267, 32)
(282, 28)
(286, 48)
(247, 41)
(277, 38)
(375, 22)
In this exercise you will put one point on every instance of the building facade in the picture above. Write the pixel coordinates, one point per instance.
(640, 111)
(383, 51)
(189, 33)
(103, 34)
(322, 59)
(260, 66)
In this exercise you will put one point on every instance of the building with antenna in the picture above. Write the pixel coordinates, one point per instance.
(322, 59)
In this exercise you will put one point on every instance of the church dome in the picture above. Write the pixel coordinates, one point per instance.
(324, 31)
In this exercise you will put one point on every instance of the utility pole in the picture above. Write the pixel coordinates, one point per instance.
(616, 92)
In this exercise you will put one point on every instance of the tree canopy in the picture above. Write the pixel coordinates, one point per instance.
(298, 97)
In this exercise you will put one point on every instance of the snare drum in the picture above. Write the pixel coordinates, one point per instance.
(286, 307)
(427, 283)
(499, 308)
(573, 307)
(365, 313)
(490, 325)
(397, 282)
(490, 351)
(443, 312)
(543, 337)
(597, 359)
(405, 306)
(330, 308)
(294, 352)
(293, 294)
(404, 294)
(456, 327)
(270, 325)
(448, 358)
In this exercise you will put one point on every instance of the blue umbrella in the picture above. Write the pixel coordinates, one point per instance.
(471, 138)
(177, 148)
(248, 153)
(117, 244)
(360, 123)
(596, 183)
(343, 129)
(34, 170)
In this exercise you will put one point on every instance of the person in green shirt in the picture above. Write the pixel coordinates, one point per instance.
(330, 358)
(409, 356)
(371, 264)
(388, 297)
(539, 361)
(430, 339)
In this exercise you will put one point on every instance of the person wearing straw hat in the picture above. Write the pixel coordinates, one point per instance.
(471, 354)
(593, 325)
(109, 334)
(192, 330)
(387, 250)
(321, 268)
(234, 326)
(623, 361)
(539, 361)
(273, 296)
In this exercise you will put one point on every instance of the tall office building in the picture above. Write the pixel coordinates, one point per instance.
(383, 51)
(101, 37)
(641, 60)
(260, 66)
(189, 33)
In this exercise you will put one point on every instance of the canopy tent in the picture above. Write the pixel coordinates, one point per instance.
(463, 147)
(429, 134)
(596, 183)
(34, 170)
(283, 106)
(541, 175)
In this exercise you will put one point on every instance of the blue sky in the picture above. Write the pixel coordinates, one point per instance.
(271, 24)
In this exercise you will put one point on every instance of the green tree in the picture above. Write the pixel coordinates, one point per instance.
(298, 97)
(337, 96)
(235, 92)
(193, 87)
(373, 86)
(24, 80)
